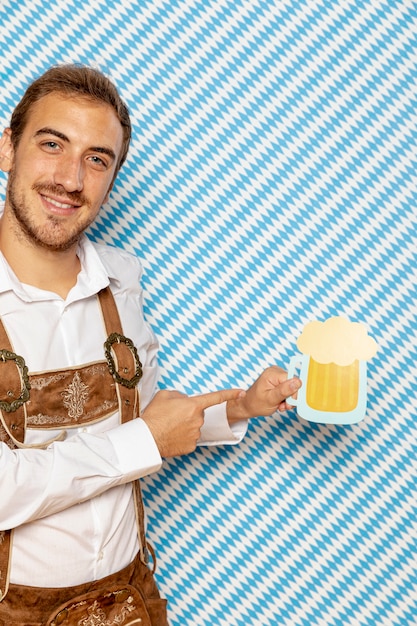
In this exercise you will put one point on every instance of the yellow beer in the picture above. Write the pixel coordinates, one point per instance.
(332, 387)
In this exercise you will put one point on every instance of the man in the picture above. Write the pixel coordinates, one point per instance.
(77, 364)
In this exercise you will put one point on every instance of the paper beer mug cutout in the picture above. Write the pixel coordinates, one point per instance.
(333, 371)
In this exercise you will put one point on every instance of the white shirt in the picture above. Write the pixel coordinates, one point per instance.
(71, 505)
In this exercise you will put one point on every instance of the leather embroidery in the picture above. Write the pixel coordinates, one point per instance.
(40, 382)
(101, 609)
(75, 396)
(97, 617)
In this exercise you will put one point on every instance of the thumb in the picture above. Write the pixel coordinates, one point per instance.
(290, 387)
(217, 397)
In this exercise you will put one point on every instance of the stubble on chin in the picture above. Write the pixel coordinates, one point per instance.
(53, 235)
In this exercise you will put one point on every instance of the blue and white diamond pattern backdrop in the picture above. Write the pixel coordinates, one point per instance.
(271, 181)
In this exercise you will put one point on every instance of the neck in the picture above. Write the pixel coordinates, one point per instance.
(51, 270)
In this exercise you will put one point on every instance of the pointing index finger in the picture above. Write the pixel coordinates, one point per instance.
(206, 400)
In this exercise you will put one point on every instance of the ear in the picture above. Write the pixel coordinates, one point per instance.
(6, 151)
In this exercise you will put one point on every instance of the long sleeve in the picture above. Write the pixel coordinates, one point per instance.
(35, 483)
(217, 430)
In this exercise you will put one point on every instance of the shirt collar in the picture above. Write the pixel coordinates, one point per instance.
(93, 276)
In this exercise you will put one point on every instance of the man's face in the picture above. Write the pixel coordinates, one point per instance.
(62, 169)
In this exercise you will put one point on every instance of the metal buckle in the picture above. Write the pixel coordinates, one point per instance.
(126, 382)
(9, 407)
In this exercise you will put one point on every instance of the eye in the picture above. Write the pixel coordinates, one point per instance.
(50, 145)
(98, 162)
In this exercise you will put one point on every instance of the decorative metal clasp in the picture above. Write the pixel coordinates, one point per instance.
(9, 407)
(126, 382)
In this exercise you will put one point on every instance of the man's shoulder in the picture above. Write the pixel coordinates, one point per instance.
(119, 264)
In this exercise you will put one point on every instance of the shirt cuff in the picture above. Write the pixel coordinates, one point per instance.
(136, 450)
(217, 430)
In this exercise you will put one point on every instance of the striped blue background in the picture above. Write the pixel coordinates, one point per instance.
(271, 181)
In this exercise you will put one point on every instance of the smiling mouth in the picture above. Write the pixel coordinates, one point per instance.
(66, 206)
(59, 207)
(56, 200)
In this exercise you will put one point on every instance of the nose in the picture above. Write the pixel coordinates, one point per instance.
(69, 173)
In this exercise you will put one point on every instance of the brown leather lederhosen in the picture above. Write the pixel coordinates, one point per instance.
(64, 399)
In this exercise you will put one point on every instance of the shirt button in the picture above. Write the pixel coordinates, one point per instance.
(101, 555)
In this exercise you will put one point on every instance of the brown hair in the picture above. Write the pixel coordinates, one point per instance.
(73, 79)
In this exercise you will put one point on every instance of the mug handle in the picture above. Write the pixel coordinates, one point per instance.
(295, 361)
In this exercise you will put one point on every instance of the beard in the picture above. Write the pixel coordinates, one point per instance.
(54, 233)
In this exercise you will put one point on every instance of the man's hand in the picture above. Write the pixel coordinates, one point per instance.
(175, 419)
(266, 396)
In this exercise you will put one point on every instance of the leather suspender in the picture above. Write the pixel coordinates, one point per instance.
(126, 369)
(14, 390)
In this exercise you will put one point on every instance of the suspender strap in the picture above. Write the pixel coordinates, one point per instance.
(126, 368)
(13, 377)
(14, 389)
(5, 560)
(122, 358)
